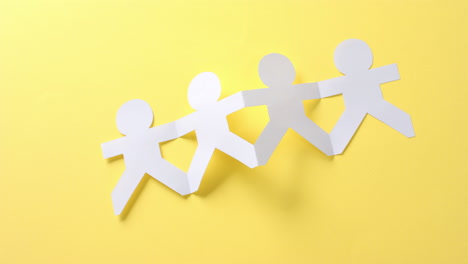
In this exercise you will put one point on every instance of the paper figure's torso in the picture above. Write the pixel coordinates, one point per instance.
(141, 151)
(361, 90)
(285, 107)
(211, 125)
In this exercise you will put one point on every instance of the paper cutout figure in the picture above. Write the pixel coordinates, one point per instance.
(361, 93)
(360, 87)
(211, 126)
(140, 147)
(285, 108)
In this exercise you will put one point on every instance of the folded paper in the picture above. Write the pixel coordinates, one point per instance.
(211, 127)
(361, 92)
(140, 148)
(285, 107)
(360, 88)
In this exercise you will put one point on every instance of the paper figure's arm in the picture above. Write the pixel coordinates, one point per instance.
(186, 124)
(175, 129)
(164, 132)
(386, 73)
(112, 148)
(306, 91)
(256, 97)
(331, 87)
(232, 103)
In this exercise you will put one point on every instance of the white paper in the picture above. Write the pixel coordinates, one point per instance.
(360, 87)
(361, 93)
(140, 147)
(285, 107)
(211, 126)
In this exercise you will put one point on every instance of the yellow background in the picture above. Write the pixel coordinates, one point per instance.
(67, 66)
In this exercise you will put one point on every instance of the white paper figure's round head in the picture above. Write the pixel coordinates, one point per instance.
(275, 70)
(204, 90)
(353, 55)
(134, 116)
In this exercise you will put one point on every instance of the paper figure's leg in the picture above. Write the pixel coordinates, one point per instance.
(345, 129)
(125, 188)
(394, 117)
(171, 176)
(268, 141)
(198, 166)
(239, 149)
(314, 134)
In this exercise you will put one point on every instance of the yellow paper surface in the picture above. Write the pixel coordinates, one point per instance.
(67, 66)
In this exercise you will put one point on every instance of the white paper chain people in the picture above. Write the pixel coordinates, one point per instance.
(285, 108)
(140, 148)
(211, 126)
(359, 87)
(361, 93)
